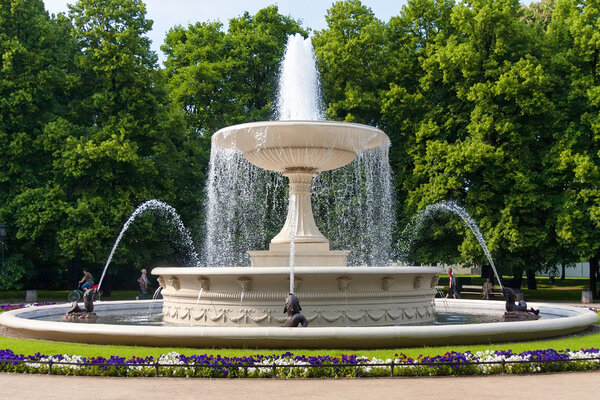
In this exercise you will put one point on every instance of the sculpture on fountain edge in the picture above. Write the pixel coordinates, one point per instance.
(76, 313)
(292, 308)
(517, 311)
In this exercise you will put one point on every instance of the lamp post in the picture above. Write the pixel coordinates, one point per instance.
(2, 239)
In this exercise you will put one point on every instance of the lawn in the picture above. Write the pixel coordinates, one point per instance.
(28, 346)
(59, 296)
(567, 290)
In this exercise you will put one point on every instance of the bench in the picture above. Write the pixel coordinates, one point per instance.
(473, 290)
(478, 290)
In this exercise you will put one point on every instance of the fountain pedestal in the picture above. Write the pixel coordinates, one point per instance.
(311, 248)
(299, 150)
(307, 258)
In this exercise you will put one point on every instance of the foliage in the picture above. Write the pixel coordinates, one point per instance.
(123, 138)
(289, 366)
(351, 62)
(17, 270)
(573, 36)
(35, 76)
(480, 143)
(220, 78)
(108, 139)
(487, 103)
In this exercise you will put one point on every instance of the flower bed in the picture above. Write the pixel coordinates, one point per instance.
(288, 365)
(8, 307)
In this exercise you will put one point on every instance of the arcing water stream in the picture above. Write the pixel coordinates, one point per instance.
(450, 206)
(162, 209)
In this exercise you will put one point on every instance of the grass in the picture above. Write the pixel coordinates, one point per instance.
(567, 290)
(59, 296)
(30, 346)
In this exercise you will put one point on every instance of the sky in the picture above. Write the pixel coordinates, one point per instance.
(168, 13)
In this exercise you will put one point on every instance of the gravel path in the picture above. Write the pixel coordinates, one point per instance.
(4, 331)
(580, 386)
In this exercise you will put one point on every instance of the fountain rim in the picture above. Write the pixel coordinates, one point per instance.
(301, 122)
(219, 136)
(575, 319)
(313, 270)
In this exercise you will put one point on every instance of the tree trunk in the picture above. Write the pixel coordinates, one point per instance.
(106, 286)
(487, 272)
(593, 276)
(74, 272)
(531, 283)
(563, 273)
(518, 280)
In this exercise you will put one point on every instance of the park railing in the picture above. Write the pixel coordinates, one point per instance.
(294, 370)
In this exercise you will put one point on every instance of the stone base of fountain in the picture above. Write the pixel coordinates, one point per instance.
(82, 315)
(330, 296)
(271, 258)
(520, 316)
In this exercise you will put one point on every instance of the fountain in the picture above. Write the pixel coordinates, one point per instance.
(332, 293)
(345, 306)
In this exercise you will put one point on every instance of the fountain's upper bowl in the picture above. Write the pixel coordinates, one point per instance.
(287, 145)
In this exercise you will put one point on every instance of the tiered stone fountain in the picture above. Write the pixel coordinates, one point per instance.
(332, 293)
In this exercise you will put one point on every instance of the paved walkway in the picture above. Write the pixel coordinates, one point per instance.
(579, 385)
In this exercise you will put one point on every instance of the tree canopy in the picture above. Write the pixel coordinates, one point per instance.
(488, 103)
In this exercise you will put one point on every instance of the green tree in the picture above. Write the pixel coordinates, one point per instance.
(575, 158)
(35, 76)
(220, 78)
(539, 14)
(410, 35)
(122, 143)
(352, 62)
(485, 125)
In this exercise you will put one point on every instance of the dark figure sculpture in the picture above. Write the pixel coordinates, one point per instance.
(76, 313)
(74, 308)
(292, 308)
(88, 300)
(515, 309)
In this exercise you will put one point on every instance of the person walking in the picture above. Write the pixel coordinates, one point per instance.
(143, 281)
(452, 285)
(487, 289)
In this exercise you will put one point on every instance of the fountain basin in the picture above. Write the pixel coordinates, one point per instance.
(573, 319)
(314, 145)
(330, 296)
